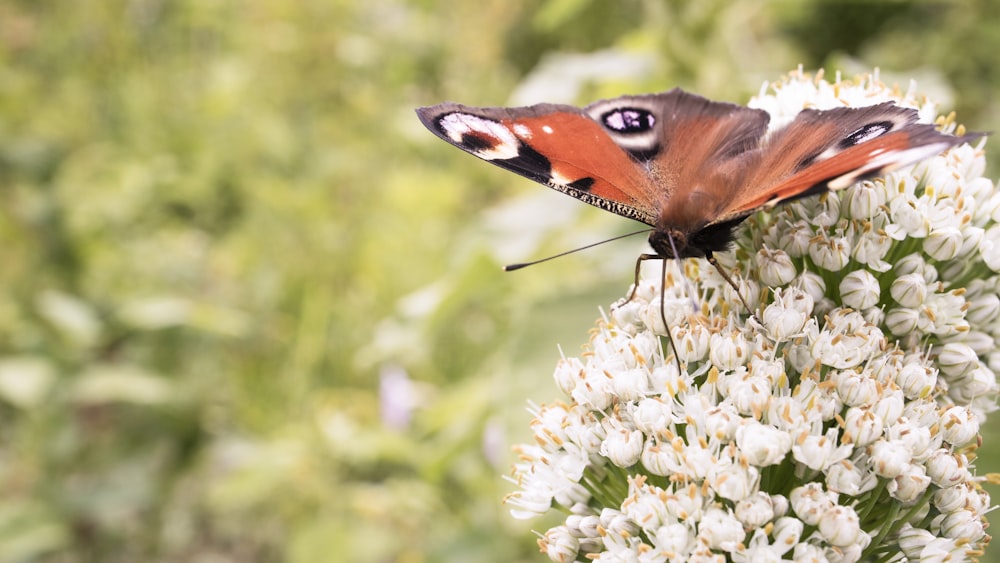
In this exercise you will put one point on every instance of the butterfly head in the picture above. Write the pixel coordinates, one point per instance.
(671, 243)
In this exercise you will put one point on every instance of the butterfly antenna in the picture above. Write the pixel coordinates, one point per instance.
(663, 294)
(512, 267)
(663, 314)
(680, 267)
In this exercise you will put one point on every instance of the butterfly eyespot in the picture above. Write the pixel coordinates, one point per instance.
(866, 133)
(629, 120)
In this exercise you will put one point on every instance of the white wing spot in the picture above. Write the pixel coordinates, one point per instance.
(887, 161)
(522, 131)
(547, 129)
(869, 132)
(558, 179)
(504, 143)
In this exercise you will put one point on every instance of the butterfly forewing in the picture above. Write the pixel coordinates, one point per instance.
(833, 149)
(559, 146)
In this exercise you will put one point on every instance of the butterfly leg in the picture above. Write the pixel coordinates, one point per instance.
(638, 266)
(711, 260)
(663, 313)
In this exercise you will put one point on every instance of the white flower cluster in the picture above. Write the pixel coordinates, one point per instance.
(844, 427)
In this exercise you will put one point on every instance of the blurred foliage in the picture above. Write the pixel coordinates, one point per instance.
(222, 227)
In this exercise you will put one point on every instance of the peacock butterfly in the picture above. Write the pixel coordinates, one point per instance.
(689, 167)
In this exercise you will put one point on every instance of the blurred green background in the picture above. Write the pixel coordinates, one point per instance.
(252, 311)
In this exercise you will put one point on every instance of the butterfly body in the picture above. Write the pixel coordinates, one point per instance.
(691, 168)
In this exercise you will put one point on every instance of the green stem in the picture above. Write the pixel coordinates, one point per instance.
(873, 500)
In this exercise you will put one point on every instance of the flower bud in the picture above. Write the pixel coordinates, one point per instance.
(946, 469)
(755, 510)
(890, 458)
(901, 321)
(916, 380)
(854, 388)
(762, 444)
(810, 501)
(983, 309)
(957, 359)
(964, 525)
(864, 200)
(859, 290)
(728, 351)
(830, 254)
(909, 485)
(862, 426)
(913, 541)
(943, 244)
(786, 534)
(960, 426)
(909, 290)
(819, 452)
(787, 315)
(559, 544)
(720, 530)
(794, 239)
(622, 446)
(568, 372)
(775, 267)
(673, 538)
(841, 527)
(846, 478)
